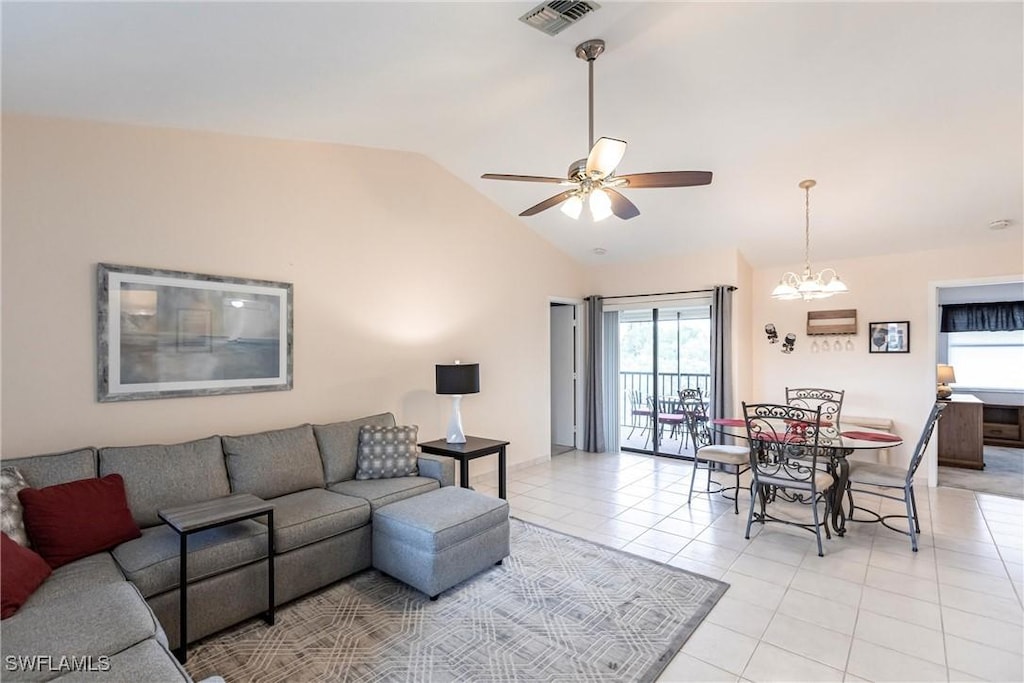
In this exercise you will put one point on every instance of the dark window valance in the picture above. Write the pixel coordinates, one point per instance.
(1001, 316)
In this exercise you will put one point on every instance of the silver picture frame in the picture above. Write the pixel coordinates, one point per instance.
(168, 333)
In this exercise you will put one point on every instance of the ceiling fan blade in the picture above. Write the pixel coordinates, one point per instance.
(667, 179)
(604, 157)
(548, 203)
(622, 207)
(524, 178)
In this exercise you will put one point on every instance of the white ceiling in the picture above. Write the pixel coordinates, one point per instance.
(909, 115)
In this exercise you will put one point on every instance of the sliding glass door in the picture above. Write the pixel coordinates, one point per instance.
(662, 350)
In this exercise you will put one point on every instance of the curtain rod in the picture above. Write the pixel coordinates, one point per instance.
(633, 296)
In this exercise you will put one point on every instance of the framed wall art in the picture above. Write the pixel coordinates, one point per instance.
(889, 337)
(166, 333)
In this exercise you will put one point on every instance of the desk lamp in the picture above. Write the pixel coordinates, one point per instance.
(455, 381)
(945, 376)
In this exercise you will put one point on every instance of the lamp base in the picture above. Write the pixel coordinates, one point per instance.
(943, 392)
(454, 434)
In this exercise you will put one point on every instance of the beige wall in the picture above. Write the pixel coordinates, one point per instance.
(396, 266)
(885, 288)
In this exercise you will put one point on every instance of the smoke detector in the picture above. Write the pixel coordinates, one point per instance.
(1001, 224)
(555, 16)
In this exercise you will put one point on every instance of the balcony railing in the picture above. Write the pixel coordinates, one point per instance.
(669, 385)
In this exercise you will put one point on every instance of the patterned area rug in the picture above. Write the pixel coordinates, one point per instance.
(558, 609)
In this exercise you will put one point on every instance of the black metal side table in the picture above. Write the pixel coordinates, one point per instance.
(189, 519)
(475, 447)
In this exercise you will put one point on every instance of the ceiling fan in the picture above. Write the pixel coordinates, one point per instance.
(593, 179)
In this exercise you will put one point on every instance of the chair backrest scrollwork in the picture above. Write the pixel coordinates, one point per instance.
(785, 441)
(829, 400)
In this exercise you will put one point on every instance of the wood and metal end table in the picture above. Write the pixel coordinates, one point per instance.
(475, 447)
(190, 519)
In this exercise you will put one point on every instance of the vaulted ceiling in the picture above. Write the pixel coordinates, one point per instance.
(909, 115)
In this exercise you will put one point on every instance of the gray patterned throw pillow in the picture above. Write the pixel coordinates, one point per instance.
(387, 452)
(11, 522)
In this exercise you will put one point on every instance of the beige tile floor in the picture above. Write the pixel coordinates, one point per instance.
(869, 610)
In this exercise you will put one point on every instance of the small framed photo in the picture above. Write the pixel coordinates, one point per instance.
(889, 337)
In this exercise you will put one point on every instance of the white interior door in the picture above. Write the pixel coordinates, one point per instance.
(563, 377)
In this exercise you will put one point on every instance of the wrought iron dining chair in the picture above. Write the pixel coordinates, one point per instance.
(829, 400)
(737, 458)
(784, 453)
(893, 478)
(640, 415)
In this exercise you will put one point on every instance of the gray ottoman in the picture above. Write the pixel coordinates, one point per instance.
(440, 538)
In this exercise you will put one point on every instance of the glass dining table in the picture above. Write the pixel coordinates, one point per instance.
(837, 442)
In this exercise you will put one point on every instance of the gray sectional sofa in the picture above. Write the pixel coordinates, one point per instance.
(322, 534)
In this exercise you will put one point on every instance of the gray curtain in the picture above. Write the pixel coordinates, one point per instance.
(612, 388)
(1001, 316)
(721, 352)
(593, 376)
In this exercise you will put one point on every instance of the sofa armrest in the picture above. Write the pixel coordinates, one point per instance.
(438, 467)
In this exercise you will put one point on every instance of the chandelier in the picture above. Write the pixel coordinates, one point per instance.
(808, 287)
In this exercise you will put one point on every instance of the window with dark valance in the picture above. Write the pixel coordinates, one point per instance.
(1002, 316)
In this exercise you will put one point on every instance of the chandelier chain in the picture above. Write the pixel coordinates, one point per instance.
(807, 229)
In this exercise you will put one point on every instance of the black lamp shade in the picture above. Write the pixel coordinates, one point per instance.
(463, 378)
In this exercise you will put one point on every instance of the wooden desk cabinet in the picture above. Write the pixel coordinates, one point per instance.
(961, 438)
(1004, 425)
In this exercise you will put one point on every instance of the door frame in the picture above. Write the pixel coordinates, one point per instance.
(932, 459)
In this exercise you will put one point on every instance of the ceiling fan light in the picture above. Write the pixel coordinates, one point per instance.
(572, 207)
(600, 205)
(604, 157)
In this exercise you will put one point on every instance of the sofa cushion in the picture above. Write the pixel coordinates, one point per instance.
(146, 661)
(12, 522)
(77, 577)
(22, 571)
(56, 468)
(339, 444)
(380, 492)
(312, 515)
(79, 518)
(158, 477)
(274, 463)
(387, 452)
(151, 561)
(99, 622)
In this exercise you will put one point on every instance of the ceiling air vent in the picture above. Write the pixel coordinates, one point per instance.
(555, 16)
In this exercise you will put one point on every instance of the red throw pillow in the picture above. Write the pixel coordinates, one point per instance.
(73, 520)
(21, 572)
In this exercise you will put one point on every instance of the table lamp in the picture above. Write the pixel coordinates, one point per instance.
(455, 381)
(945, 375)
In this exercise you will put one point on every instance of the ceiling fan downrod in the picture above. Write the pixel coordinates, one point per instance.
(590, 50)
